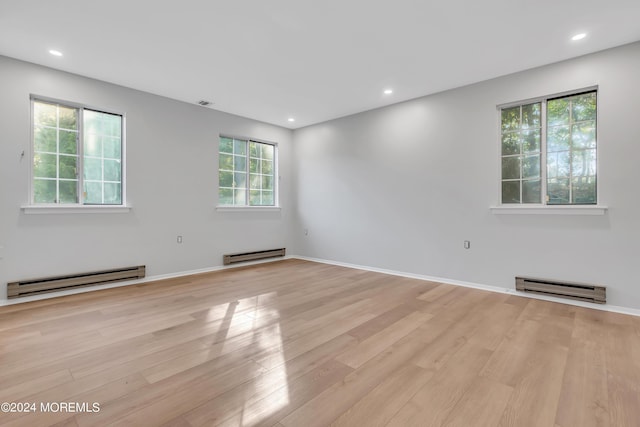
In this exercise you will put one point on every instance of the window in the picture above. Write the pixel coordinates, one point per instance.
(549, 151)
(246, 173)
(77, 155)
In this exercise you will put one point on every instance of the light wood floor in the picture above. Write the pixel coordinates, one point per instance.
(301, 344)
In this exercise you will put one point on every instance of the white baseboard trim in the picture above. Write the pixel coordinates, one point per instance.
(147, 279)
(602, 307)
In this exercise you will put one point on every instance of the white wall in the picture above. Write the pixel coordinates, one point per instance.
(401, 187)
(397, 188)
(171, 184)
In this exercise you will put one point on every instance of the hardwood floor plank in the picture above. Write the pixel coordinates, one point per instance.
(437, 292)
(510, 360)
(383, 402)
(584, 396)
(535, 397)
(176, 422)
(19, 390)
(175, 396)
(381, 321)
(69, 422)
(433, 403)
(455, 334)
(623, 379)
(492, 327)
(482, 405)
(134, 363)
(324, 408)
(267, 406)
(301, 345)
(377, 343)
(301, 327)
(77, 391)
(298, 343)
(41, 421)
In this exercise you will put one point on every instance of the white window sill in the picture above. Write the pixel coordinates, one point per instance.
(247, 208)
(85, 209)
(549, 210)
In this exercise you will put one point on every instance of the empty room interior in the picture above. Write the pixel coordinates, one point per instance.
(301, 214)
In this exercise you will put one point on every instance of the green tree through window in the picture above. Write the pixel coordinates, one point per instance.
(246, 173)
(76, 148)
(566, 175)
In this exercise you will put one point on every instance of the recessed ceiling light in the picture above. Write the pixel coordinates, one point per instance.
(388, 91)
(55, 52)
(579, 36)
(291, 119)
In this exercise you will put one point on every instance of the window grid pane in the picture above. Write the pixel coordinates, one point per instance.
(66, 159)
(571, 152)
(102, 158)
(232, 166)
(569, 146)
(521, 131)
(246, 173)
(55, 165)
(261, 174)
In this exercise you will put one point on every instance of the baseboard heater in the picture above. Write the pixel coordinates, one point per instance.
(577, 291)
(57, 283)
(253, 256)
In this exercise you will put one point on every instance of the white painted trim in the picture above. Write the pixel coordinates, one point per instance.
(544, 98)
(247, 208)
(147, 279)
(82, 209)
(28, 209)
(483, 287)
(601, 307)
(549, 210)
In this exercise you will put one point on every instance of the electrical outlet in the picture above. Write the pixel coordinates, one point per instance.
(467, 244)
(179, 239)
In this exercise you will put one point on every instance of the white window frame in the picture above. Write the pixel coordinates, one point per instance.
(276, 178)
(543, 208)
(80, 207)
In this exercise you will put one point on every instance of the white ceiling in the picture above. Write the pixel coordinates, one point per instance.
(310, 59)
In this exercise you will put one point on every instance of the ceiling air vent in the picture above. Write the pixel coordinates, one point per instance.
(204, 103)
